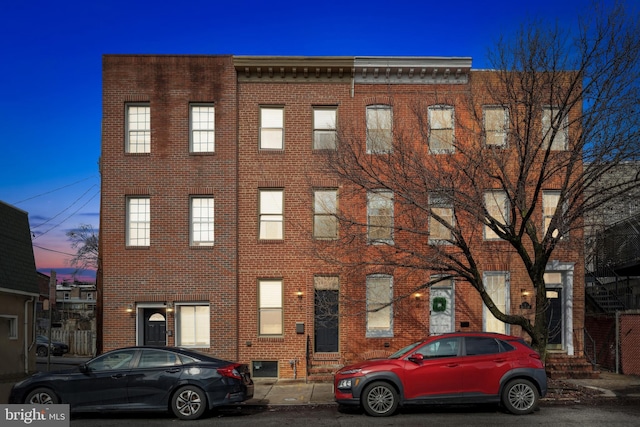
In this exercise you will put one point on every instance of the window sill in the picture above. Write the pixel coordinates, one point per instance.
(137, 248)
(270, 241)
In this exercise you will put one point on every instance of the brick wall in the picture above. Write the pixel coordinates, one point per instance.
(629, 338)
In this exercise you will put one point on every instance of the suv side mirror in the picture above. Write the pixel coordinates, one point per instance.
(416, 358)
(84, 368)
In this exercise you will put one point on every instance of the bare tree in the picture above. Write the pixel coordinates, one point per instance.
(557, 112)
(85, 241)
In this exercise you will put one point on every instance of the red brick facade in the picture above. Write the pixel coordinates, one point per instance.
(169, 271)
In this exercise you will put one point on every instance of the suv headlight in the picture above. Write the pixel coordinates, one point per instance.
(345, 384)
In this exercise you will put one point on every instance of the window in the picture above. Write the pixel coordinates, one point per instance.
(550, 201)
(202, 128)
(12, 325)
(440, 206)
(324, 129)
(476, 346)
(270, 308)
(202, 226)
(554, 129)
(446, 347)
(441, 129)
(193, 325)
(138, 221)
(116, 360)
(325, 222)
(138, 129)
(379, 310)
(379, 137)
(380, 216)
(497, 286)
(151, 358)
(272, 128)
(496, 125)
(271, 214)
(497, 206)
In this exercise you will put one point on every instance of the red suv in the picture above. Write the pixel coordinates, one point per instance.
(447, 369)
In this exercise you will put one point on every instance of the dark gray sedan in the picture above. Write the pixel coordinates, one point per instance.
(183, 381)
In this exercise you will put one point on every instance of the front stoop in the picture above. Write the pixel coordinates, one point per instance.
(563, 367)
(323, 367)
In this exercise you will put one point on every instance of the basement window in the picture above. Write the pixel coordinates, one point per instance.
(264, 369)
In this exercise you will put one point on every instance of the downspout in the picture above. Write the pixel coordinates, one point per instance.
(26, 334)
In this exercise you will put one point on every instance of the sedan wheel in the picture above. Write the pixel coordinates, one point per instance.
(41, 351)
(520, 397)
(380, 399)
(42, 396)
(189, 403)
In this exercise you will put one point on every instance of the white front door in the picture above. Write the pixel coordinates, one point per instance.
(441, 319)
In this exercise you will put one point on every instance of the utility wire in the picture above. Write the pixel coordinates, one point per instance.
(67, 208)
(72, 214)
(54, 190)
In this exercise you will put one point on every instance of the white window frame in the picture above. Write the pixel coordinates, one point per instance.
(379, 121)
(202, 128)
(492, 201)
(495, 135)
(138, 128)
(202, 213)
(138, 221)
(379, 306)
(325, 210)
(549, 123)
(498, 286)
(271, 208)
(12, 330)
(196, 327)
(272, 128)
(270, 307)
(379, 201)
(549, 210)
(437, 114)
(441, 206)
(324, 128)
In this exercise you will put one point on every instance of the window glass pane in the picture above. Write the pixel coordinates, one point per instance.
(476, 346)
(138, 129)
(549, 122)
(495, 124)
(138, 222)
(272, 117)
(496, 286)
(379, 137)
(271, 139)
(202, 128)
(271, 201)
(270, 300)
(496, 204)
(324, 119)
(379, 310)
(202, 221)
(194, 321)
(380, 215)
(440, 129)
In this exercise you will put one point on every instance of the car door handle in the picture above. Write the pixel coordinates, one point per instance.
(116, 376)
(499, 360)
(451, 365)
(172, 370)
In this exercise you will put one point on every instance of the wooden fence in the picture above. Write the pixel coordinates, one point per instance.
(81, 343)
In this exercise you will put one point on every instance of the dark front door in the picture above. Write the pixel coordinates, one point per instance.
(326, 321)
(155, 326)
(554, 318)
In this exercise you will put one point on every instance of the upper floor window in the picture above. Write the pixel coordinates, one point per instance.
(202, 224)
(138, 221)
(193, 325)
(554, 129)
(270, 316)
(271, 214)
(272, 128)
(379, 136)
(496, 125)
(325, 206)
(441, 134)
(497, 205)
(379, 309)
(380, 216)
(442, 207)
(550, 202)
(202, 128)
(324, 128)
(138, 128)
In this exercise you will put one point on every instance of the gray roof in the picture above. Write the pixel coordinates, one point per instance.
(17, 265)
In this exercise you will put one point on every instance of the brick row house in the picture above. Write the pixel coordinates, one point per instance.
(221, 225)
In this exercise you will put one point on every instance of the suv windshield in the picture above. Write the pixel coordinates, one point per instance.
(404, 350)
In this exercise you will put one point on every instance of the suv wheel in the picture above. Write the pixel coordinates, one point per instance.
(380, 399)
(520, 397)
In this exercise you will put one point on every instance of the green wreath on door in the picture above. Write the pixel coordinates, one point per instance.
(439, 304)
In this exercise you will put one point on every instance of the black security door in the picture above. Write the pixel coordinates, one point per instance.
(155, 326)
(326, 321)
(554, 318)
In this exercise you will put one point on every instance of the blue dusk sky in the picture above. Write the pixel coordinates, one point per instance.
(51, 62)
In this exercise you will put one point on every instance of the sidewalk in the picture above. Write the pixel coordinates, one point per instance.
(272, 392)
